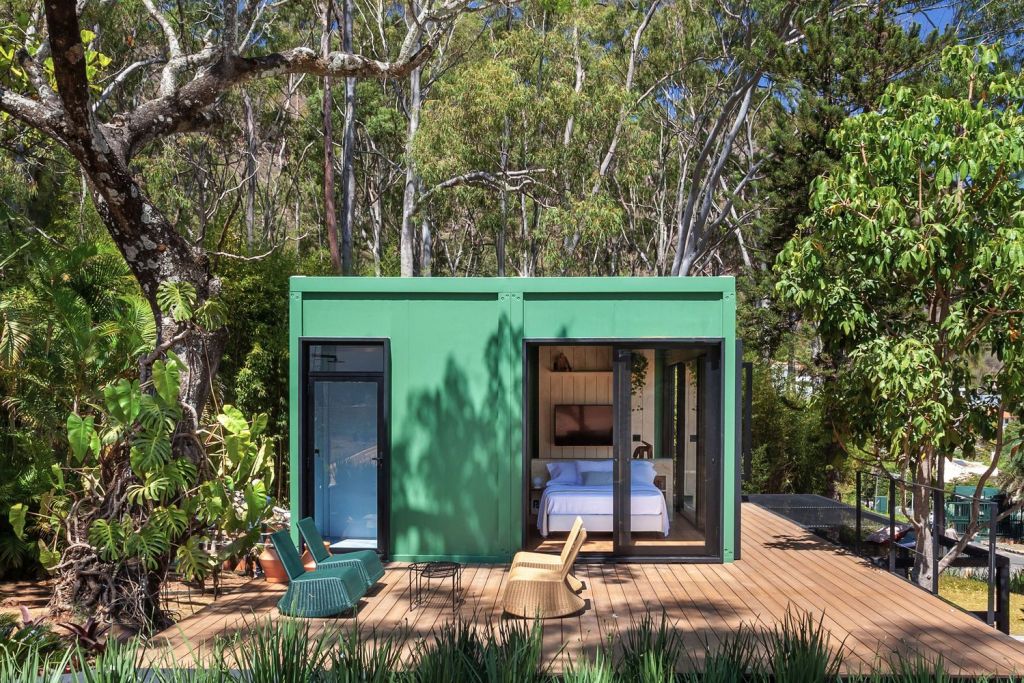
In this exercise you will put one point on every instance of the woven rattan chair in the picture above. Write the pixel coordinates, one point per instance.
(320, 593)
(365, 562)
(543, 593)
(554, 562)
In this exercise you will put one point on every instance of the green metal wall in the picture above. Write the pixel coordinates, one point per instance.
(456, 385)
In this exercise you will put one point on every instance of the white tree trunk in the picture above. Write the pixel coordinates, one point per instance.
(407, 237)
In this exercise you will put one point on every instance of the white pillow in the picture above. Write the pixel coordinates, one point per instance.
(564, 472)
(642, 471)
(594, 465)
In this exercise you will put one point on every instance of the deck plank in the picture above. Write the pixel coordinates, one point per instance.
(871, 612)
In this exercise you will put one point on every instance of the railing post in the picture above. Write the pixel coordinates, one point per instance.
(992, 578)
(938, 500)
(858, 502)
(892, 525)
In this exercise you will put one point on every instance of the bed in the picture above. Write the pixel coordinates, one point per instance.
(565, 496)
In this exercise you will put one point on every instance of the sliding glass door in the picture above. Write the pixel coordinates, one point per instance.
(346, 461)
(667, 452)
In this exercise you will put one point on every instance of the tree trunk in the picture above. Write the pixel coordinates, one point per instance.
(250, 174)
(348, 178)
(426, 248)
(407, 237)
(156, 253)
(499, 241)
(330, 217)
(925, 562)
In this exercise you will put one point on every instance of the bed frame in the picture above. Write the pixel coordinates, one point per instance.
(603, 523)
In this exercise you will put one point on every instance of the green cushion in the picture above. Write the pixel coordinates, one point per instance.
(288, 554)
(314, 541)
(318, 597)
(365, 561)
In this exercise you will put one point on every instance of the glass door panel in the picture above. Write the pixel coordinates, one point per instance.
(346, 461)
(663, 483)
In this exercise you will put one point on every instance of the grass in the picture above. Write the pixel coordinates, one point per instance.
(797, 650)
(972, 594)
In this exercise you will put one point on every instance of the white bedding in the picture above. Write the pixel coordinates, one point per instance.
(568, 499)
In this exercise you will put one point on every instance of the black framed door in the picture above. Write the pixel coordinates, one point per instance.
(622, 364)
(675, 370)
(346, 454)
(651, 518)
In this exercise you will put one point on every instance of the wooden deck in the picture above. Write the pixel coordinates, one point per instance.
(868, 612)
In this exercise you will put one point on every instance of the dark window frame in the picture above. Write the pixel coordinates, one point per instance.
(383, 379)
(714, 538)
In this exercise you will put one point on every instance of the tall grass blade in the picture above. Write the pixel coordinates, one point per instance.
(596, 670)
(119, 662)
(798, 651)
(512, 653)
(355, 660)
(278, 652)
(651, 652)
(736, 659)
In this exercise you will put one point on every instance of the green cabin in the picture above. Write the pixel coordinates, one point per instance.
(469, 418)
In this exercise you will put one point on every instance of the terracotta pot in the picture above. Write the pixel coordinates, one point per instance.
(307, 560)
(273, 569)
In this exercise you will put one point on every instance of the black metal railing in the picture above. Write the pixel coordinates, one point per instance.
(901, 557)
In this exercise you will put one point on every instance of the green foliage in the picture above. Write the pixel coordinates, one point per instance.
(911, 262)
(800, 650)
(651, 651)
(69, 324)
(288, 651)
(791, 434)
(22, 642)
(177, 298)
(170, 513)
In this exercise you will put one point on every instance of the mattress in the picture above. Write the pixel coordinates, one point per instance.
(568, 499)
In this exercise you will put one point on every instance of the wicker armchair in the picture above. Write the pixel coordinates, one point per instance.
(533, 592)
(554, 562)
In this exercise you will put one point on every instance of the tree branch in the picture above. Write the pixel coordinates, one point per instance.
(184, 109)
(122, 77)
(168, 77)
(38, 79)
(32, 113)
(500, 182)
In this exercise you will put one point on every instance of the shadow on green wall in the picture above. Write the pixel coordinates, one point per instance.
(452, 457)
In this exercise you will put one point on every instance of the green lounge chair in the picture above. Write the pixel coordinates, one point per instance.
(319, 593)
(366, 561)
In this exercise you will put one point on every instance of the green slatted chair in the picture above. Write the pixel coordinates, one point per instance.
(366, 561)
(320, 593)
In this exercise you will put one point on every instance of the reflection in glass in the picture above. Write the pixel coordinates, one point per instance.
(346, 358)
(345, 458)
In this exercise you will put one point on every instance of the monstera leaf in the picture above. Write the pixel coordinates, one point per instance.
(16, 516)
(123, 400)
(177, 299)
(167, 379)
(82, 436)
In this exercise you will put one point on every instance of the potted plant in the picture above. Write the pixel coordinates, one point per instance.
(273, 568)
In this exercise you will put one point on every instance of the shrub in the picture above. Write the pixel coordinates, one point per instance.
(650, 652)
(798, 650)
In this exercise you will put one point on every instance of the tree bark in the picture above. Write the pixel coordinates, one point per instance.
(154, 251)
(250, 174)
(407, 237)
(330, 215)
(348, 177)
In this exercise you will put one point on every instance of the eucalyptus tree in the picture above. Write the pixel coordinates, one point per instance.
(911, 265)
(185, 64)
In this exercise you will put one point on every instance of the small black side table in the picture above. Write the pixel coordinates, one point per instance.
(423, 572)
